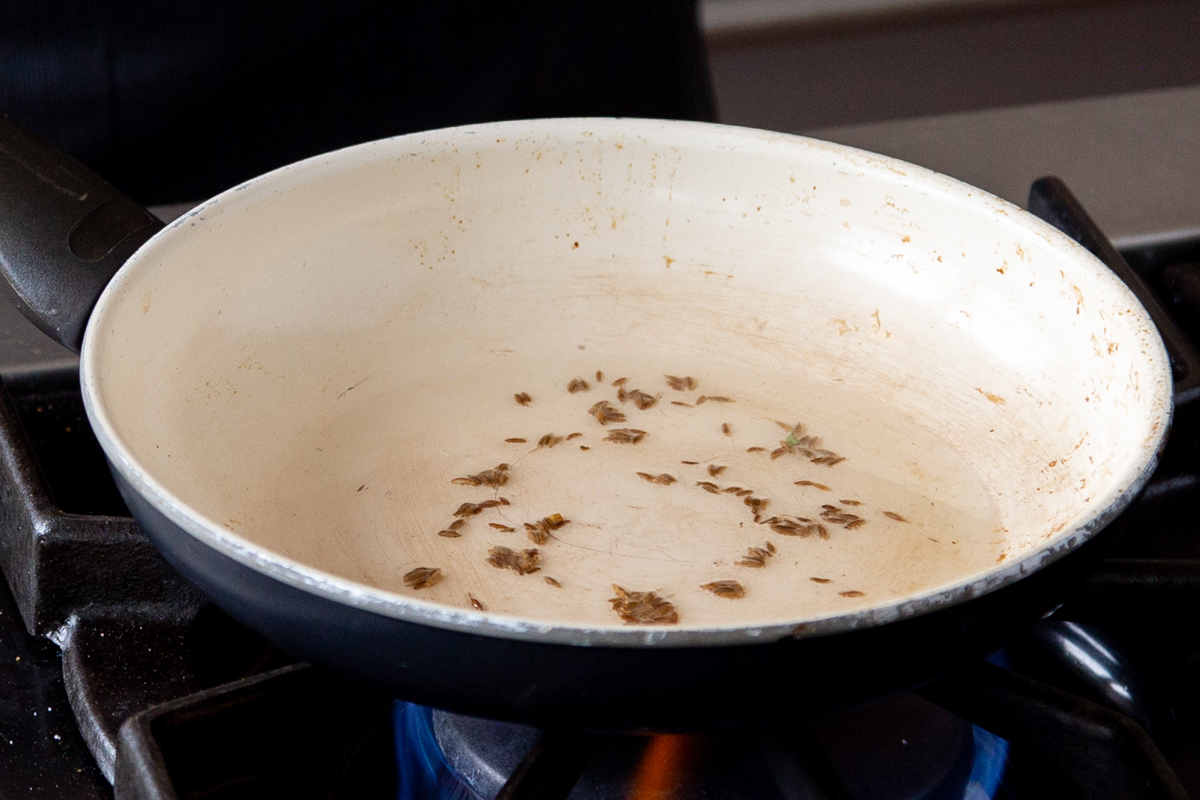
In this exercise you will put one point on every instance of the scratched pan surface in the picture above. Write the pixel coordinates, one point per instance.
(927, 394)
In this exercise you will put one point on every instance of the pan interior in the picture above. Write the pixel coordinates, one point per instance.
(308, 364)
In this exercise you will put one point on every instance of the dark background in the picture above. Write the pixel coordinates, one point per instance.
(178, 101)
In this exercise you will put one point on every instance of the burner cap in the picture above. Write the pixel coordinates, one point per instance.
(893, 748)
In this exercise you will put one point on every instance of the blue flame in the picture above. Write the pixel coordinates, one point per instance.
(991, 753)
(991, 756)
(421, 769)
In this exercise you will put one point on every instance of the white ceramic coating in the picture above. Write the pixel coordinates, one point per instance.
(295, 372)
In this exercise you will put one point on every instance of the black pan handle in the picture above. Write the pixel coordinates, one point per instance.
(64, 232)
(1050, 199)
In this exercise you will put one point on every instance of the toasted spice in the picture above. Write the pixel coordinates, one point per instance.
(895, 516)
(643, 608)
(523, 398)
(458, 523)
(757, 504)
(663, 479)
(756, 449)
(642, 400)
(820, 486)
(620, 381)
(821, 580)
(491, 504)
(690, 463)
(500, 527)
(728, 589)
(475, 603)
(850, 502)
(709, 487)
(684, 384)
(578, 385)
(625, 436)
(838, 516)
(681, 403)
(449, 534)
(539, 532)
(550, 580)
(549, 440)
(733, 489)
(756, 557)
(467, 510)
(807, 446)
(852, 593)
(725, 429)
(495, 477)
(571, 436)
(522, 563)
(714, 470)
(605, 413)
(712, 398)
(516, 440)
(788, 525)
(423, 577)
(599, 376)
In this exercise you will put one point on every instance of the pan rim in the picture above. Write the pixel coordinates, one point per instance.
(407, 608)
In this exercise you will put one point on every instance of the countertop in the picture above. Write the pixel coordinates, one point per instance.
(1133, 160)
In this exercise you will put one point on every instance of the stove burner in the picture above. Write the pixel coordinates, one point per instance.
(899, 747)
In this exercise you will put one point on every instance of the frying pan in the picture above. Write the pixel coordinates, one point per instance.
(334, 395)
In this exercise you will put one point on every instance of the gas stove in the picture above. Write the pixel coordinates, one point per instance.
(117, 679)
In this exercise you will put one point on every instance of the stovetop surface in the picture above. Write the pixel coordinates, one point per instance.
(42, 754)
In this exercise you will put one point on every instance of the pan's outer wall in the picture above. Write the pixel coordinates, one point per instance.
(613, 688)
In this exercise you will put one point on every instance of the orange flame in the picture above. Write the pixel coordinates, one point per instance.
(663, 767)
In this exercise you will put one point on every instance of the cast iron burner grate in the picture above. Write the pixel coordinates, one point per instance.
(175, 700)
